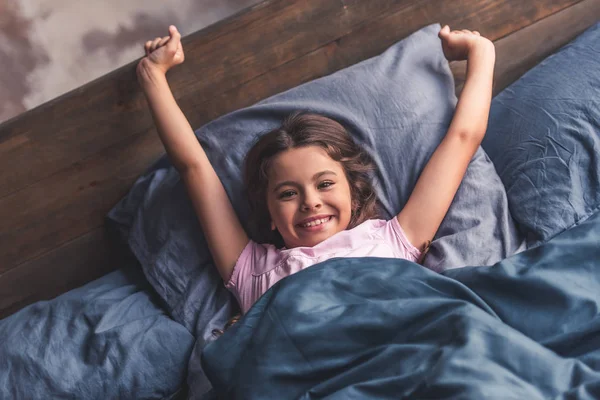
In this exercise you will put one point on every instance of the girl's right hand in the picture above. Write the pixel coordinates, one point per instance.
(163, 53)
(457, 44)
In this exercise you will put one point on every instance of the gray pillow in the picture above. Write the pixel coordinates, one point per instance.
(107, 339)
(544, 139)
(398, 106)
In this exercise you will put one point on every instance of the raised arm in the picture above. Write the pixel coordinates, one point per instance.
(441, 177)
(225, 235)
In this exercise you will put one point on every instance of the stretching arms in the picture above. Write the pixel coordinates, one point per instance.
(223, 231)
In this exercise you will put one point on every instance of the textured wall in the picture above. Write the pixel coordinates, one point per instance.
(49, 47)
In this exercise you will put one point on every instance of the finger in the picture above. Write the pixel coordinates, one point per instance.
(468, 32)
(176, 39)
(163, 41)
(151, 44)
(444, 31)
(147, 46)
(477, 33)
(155, 43)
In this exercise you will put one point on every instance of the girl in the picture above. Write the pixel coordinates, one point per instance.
(308, 182)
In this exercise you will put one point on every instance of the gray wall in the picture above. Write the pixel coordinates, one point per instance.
(49, 47)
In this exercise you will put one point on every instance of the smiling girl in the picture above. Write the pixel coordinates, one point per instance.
(309, 183)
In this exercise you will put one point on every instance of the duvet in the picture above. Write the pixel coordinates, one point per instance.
(527, 327)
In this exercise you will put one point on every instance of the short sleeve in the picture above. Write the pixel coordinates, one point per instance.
(253, 260)
(242, 273)
(394, 233)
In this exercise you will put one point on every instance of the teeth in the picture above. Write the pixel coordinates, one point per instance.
(316, 222)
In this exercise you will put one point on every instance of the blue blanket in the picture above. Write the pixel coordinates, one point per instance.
(525, 328)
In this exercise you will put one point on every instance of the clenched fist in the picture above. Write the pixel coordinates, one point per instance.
(458, 44)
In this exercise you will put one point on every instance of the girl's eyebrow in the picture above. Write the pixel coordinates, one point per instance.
(314, 178)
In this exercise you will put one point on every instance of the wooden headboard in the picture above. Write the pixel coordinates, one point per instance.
(66, 163)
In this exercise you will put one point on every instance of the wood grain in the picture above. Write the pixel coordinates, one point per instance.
(525, 48)
(90, 256)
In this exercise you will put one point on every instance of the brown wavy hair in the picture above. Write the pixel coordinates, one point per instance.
(302, 129)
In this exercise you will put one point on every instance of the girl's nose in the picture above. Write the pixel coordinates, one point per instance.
(311, 201)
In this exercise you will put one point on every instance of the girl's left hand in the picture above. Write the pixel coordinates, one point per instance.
(457, 44)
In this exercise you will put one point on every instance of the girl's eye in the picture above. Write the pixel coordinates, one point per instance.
(287, 194)
(325, 184)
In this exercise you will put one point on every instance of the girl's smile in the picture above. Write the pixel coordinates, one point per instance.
(315, 222)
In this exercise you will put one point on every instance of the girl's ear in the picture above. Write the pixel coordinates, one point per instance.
(273, 226)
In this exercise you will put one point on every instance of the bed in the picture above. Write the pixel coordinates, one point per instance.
(68, 163)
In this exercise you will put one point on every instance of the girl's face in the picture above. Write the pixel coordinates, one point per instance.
(308, 196)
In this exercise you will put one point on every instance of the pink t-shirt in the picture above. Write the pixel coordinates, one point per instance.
(260, 266)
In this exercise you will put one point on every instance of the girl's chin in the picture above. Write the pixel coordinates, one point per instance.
(310, 239)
